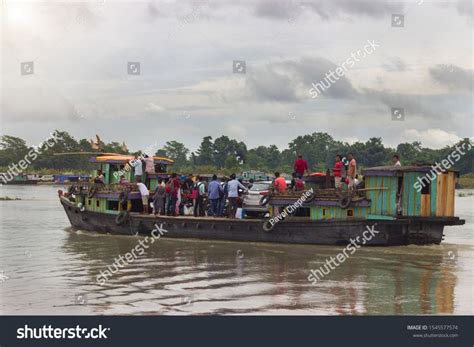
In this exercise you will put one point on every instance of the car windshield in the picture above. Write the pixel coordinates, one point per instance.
(259, 187)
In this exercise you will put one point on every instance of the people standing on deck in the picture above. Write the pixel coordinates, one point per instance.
(214, 191)
(138, 167)
(280, 183)
(149, 168)
(159, 198)
(300, 166)
(337, 171)
(178, 199)
(189, 183)
(233, 192)
(396, 160)
(199, 190)
(172, 190)
(351, 171)
(223, 195)
(145, 193)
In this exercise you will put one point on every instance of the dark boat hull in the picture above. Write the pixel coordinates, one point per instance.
(330, 232)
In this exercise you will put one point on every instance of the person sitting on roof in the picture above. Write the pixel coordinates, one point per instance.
(396, 160)
(280, 183)
(123, 181)
(297, 184)
(99, 179)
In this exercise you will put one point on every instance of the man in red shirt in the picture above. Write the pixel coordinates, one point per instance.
(279, 183)
(337, 171)
(300, 166)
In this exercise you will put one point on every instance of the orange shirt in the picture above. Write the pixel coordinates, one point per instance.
(280, 184)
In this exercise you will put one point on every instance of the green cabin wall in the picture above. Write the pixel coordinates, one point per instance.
(383, 201)
(332, 212)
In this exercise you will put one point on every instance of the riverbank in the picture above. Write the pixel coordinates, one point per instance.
(466, 181)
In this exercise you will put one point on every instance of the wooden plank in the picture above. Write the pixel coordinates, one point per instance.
(434, 185)
(450, 193)
(441, 195)
(425, 205)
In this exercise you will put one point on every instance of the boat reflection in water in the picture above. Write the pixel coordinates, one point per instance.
(203, 277)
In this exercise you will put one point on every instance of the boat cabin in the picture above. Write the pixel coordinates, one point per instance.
(114, 166)
(384, 193)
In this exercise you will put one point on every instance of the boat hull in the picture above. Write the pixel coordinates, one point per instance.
(330, 232)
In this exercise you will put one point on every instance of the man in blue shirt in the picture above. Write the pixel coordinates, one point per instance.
(233, 186)
(214, 190)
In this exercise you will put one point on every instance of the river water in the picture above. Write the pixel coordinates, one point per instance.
(46, 267)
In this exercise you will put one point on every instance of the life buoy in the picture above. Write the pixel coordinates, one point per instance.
(344, 202)
(267, 226)
(92, 191)
(264, 200)
(122, 217)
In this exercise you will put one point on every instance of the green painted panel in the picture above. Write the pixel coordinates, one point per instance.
(433, 191)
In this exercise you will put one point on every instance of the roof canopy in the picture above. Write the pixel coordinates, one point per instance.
(123, 159)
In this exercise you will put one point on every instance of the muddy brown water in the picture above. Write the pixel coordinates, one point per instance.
(46, 267)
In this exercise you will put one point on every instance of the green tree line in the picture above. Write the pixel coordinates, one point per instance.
(224, 155)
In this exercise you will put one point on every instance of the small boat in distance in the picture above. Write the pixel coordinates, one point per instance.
(405, 205)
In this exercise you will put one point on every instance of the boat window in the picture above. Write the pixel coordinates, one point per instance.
(426, 188)
(112, 205)
(324, 211)
(97, 203)
(350, 213)
(302, 212)
(89, 202)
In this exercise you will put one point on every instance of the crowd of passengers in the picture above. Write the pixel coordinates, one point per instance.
(221, 198)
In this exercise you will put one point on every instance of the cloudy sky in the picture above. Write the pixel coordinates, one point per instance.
(187, 88)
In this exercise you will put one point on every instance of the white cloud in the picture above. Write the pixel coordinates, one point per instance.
(433, 138)
(154, 108)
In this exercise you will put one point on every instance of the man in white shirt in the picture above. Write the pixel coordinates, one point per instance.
(396, 160)
(145, 193)
(138, 167)
(233, 193)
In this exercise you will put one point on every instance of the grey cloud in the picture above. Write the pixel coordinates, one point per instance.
(326, 9)
(289, 81)
(453, 77)
(394, 64)
(268, 84)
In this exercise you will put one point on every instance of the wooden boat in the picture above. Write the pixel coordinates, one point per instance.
(391, 203)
